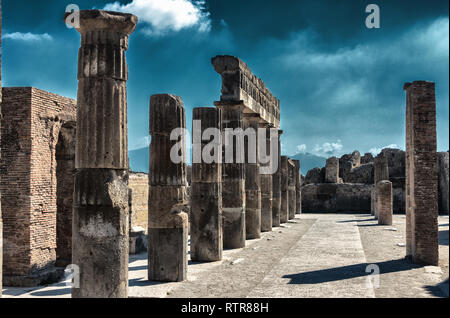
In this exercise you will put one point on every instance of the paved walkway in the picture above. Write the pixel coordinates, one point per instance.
(315, 255)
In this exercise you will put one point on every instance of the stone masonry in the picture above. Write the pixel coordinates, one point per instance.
(292, 175)
(36, 171)
(443, 175)
(206, 191)
(138, 207)
(284, 212)
(100, 215)
(276, 187)
(384, 202)
(1, 220)
(332, 170)
(266, 188)
(298, 188)
(421, 174)
(168, 224)
(381, 172)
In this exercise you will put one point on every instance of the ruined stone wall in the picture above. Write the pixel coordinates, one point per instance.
(334, 197)
(138, 198)
(32, 120)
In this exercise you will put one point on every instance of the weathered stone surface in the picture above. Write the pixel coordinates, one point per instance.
(292, 182)
(37, 157)
(284, 212)
(101, 215)
(138, 210)
(421, 174)
(1, 219)
(332, 170)
(206, 194)
(168, 224)
(443, 176)
(266, 186)
(316, 175)
(347, 163)
(367, 158)
(361, 174)
(276, 187)
(298, 188)
(252, 184)
(381, 169)
(240, 85)
(384, 201)
(335, 197)
(100, 233)
(233, 186)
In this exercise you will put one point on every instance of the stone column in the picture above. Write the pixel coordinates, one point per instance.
(233, 181)
(284, 212)
(168, 224)
(206, 189)
(100, 215)
(252, 182)
(276, 187)
(1, 220)
(332, 170)
(292, 191)
(384, 202)
(266, 189)
(298, 187)
(381, 172)
(422, 230)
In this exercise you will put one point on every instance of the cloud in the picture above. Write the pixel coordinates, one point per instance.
(375, 151)
(328, 148)
(164, 16)
(301, 148)
(140, 143)
(28, 37)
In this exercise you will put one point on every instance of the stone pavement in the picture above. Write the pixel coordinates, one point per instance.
(315, 255)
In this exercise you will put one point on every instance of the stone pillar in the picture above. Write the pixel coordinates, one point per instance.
(284, 212)
(168, 224)
(292, 191)
(252, 182)
(298, 187)
(233, 182)
(332, 170)
(276, 187)
(206, 190)
(266, 189)
(384, 202)
(100, 215)
(421, 174)
(1, 222)
(381, 172)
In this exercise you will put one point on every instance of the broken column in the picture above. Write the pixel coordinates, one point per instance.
(292, 191)
(252, 179)
(332, 170)
(168, 224)
(276, 187)
(381, 172)
(298, 187)
(384, 202)
(422, 244)
(206, 188)
(233, 180)
(284, 212)
(266, 187)
(100, 214)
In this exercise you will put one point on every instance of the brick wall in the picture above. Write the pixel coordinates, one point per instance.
(31, 124)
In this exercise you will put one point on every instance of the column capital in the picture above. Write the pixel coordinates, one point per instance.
(100, 20)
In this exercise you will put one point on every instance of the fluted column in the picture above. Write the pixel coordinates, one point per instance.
(276, 187)
(100, 215)
(206, 188)
(284, 212)
(252, 181)
(266, 186)
(168, 224)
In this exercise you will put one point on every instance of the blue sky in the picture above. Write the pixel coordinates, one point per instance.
(339, 83)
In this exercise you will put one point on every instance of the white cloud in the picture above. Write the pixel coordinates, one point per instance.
(301, 148)
(140, 143)
(28, 37)
(375, 151)
(328, 148)
(165, 16)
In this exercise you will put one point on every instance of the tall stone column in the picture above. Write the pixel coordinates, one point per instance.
(381, 172)
(233, 181)
(422, 230)
(332, 170)
(292, 192)
(298, 187)
(284, 212)
(206, 189)
(100, 214)
(266, 188)
(276, 187)
(384, 202)
(252, 181)
(168, 224)
(1, 220)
